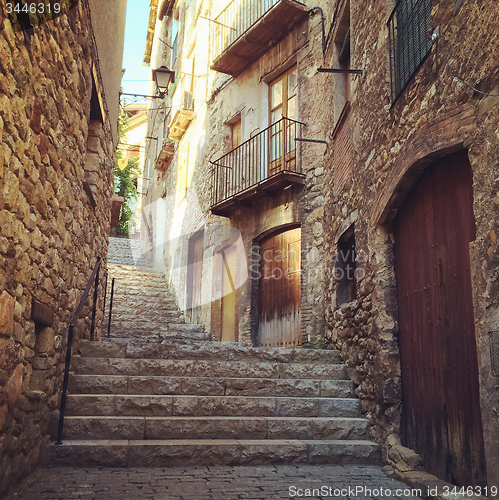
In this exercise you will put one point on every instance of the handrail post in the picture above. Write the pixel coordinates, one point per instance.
(105, 294)
(94, 306)
(65, 386)
(110, 307)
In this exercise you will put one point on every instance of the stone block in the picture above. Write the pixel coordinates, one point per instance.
(298, 388)
(206, 428)
(203, 386)
(228, 369)
(343, 452)
(7, 304)
(339, 407)
(103, 349)
(13, 387)
(87, 453)
(336, 388)
(98, 384)
(223, 406)
(272, 451)
(297, 407)
(154, 385)
(250, 387)
(290, 428)
(340, 428)
(143, 405)
(86, 404)
(45, 341)
(176, 453)
(313, 371)
(104, 427)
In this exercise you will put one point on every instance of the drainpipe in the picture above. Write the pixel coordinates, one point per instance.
(311, 12)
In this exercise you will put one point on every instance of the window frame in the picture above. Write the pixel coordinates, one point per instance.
(417, 16)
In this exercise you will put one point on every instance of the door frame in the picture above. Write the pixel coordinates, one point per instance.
(254, 275)
(196, 236)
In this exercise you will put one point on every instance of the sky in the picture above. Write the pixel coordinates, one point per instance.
(137, 20)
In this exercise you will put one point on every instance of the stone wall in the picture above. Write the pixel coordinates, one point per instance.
(435, 115)
(55, 191)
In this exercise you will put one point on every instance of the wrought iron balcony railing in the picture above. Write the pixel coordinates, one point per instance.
(267, 161)
(246, 29)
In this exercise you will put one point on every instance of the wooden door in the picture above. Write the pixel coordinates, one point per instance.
(195, 274)
(441, 408)
(229, 295)
(279, 322)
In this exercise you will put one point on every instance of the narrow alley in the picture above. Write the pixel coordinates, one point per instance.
(249, 249)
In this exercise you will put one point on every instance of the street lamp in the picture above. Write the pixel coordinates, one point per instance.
(163, 77)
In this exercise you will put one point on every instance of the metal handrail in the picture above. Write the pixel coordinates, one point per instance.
(110, 302)
(268, 153)
(93, 280)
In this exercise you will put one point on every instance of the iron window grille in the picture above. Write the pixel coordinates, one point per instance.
(410, 43)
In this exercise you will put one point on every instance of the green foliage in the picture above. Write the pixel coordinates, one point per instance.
(125, 180)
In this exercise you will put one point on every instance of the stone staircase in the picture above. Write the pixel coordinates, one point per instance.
(145, 309)
(159, 393)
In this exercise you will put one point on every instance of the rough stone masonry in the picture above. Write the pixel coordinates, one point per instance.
(56, 159)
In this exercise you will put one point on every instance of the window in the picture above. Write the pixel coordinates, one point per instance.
(283, 104)
(283, 98)
(174, 42)
(342, 56)
(408, 27)
(346, 267)
(236, 133)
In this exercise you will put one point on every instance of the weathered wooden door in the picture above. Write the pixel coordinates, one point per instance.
(229, 295)
(279, 322)
(195, 274)
(441, 409)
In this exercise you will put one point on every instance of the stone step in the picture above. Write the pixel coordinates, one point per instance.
(144, 322)
(150, 325)
(158, 336)
(215, 427)
(204, 368)
(166, 453)
(220, 351)
(245, 406)
(165, 338)
(141, 295)
(148, 310)
(203, 386)
(132, 270)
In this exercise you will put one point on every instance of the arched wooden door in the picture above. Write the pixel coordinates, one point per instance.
(279, 294)
(441, 408)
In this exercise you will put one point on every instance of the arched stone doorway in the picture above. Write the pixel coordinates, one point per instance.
(441, 408)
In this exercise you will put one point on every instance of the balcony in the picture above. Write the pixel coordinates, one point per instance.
(165, 157)
(265, 164)
(247, 29)
(183, 106)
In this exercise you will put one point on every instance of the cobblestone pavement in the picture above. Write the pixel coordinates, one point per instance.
(264, 482)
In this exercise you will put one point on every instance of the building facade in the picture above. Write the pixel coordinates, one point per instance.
(411, 189)
(59, 84)
(237, 184)
(333, 184)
